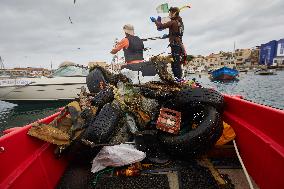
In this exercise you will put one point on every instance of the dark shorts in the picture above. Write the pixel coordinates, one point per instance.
(147, 68)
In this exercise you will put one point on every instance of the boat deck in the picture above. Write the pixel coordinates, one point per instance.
(174, 174)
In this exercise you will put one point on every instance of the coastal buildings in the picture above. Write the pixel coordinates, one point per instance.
(268, 53)
(254, 58)
(242, 57)
(25, 72)
(110, 67)
(279, 58)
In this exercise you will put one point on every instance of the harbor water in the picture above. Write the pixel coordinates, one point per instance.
(267, 90)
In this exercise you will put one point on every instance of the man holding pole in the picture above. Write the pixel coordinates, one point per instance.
(176, 28)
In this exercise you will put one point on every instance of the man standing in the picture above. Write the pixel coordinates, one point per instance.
(132, 46)
(176, 28)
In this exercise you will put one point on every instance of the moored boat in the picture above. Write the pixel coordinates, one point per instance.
(26, 161)
(224, 74)
(265, 72)
(64, 84)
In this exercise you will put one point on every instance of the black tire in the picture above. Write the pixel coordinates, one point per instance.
(94, 79)
(103, 97)
(199, 96)
(155, 94)
(104, 125)
(195, 141)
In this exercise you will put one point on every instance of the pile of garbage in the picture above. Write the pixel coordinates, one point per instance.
(118, 123)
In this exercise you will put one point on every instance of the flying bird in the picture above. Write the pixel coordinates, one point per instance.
(74, 1)
(70, 20)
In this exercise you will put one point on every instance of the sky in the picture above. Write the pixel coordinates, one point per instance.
(38, 33)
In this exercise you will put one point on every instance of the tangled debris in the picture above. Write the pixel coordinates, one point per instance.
(117, 111)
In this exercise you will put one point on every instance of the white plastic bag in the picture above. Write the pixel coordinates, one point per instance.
(116, 156)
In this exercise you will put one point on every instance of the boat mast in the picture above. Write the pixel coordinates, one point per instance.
(1, 64)
(234, 54)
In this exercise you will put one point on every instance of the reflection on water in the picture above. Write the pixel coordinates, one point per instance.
(13, 115)
(267, 90)
(264, 89)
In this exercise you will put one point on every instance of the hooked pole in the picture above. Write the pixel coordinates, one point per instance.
(151, 38)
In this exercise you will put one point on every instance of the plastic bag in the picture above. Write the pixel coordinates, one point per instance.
(116, 156)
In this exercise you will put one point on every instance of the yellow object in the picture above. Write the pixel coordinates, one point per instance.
(186, 6)
(228, 135)
(76, 105)
(49, 134)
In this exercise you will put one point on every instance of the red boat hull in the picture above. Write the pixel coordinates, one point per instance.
(259, 131)
(29, 162)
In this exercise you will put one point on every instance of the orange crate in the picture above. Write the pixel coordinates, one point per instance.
(169, 121)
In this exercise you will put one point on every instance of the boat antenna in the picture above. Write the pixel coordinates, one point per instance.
(234, 54)
(1, 64)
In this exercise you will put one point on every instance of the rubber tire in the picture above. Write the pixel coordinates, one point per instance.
(103, 97)
(199, 96)
(154, 94)
(93, 80)
(197, 141)
(104, 126)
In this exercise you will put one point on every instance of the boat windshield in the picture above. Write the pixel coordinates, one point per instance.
(71, 71)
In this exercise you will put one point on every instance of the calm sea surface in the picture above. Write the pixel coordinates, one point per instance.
(268, 90)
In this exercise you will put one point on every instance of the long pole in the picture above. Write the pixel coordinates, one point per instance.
(1, 63)
(235, 55)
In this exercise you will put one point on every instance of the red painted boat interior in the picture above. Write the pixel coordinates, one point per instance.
(259, 138)
(30, 163)
(27, 162)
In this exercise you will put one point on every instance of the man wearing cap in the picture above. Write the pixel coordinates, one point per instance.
(133, 53)
(176, 28)
(132, 46)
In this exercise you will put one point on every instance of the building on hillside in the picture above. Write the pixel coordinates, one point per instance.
(254, 59)
(98, 63)
(242, 57)
(26, 72)
(268, 53)
(212, 60)
(198, 60)
(110, 67)
(226, 59)
(279, 59)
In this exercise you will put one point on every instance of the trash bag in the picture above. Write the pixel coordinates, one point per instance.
(116, 156)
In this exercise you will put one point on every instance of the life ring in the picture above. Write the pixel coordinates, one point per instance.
(194, 141)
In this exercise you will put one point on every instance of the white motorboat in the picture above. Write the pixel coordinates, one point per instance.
(64, 84)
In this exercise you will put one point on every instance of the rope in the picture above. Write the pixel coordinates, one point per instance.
(243, 166)
(99, 174)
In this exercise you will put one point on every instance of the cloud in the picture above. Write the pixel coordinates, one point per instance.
(37, 32)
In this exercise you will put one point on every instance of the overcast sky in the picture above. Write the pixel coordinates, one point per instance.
(38, 32)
